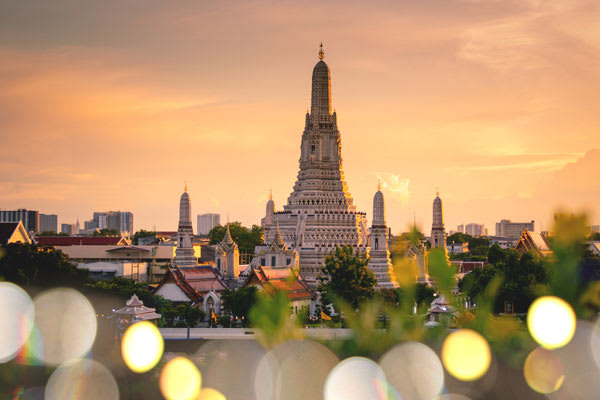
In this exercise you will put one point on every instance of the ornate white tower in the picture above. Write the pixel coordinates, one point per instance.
(319, 214)
(227, 257)
(438, 233)
(184, 254)
(380, 262)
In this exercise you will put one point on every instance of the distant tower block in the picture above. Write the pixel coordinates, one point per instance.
(380, 262)
(438, 232)
(319, 214)
(184, 253)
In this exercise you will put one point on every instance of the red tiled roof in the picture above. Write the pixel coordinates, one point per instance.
(195, 281)
(282, 279)
(80, 240)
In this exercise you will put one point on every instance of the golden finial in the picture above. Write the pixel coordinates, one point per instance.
(271, 194)
(437, 191)
(321, 52)
(185, 187)
(379, 185)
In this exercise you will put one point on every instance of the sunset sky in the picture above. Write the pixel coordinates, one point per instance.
(114, 104)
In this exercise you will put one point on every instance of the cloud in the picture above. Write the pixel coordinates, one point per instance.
(396, 186)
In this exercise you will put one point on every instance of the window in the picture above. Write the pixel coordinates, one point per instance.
(376, 243)
(219, 264)
(273, 261)
(262, 262)
(288, 261)
(312, 149)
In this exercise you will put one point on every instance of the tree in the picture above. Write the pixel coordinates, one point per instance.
(246, 239)
(35, 265)
(423, 294)
(239, 302)
(346, 276)
(495, 254)
(141, 234)
(458, 238)
(107, 232)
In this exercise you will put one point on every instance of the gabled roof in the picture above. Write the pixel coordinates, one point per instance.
(227, 243)
(81, 240)
(194, 281)
(282, 279)
(13, 232)
(534, 241)
(136, 308)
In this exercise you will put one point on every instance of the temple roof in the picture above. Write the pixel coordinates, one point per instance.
(135, 307)
(282, 279)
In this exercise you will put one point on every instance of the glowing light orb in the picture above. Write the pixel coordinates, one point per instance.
(414, 370)
(142, 346)
(551, 322)
(180, 380)
(84, 379)
(66, 323)
(277, 373)
(543, 371)
(466, 355)
(210, 394)
(356, 378)
(16, 313)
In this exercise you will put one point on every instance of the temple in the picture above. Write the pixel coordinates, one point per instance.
(319, 214)
(379, 253)
(184, 254)
(438, 232)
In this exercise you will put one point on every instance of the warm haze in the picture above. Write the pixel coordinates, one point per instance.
(113, 105)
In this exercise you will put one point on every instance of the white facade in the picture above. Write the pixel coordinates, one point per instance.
(507, 228)
(136, 271)
(475, 230)
(205, 222)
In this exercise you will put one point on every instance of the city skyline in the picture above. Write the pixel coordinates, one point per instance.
(503, 129)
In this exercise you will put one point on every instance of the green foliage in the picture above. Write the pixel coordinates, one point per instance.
(441, 273)
(51, 233)
(303, 315)
(458, 237)
(107, 232)
(239, 302)
(271, 314)
(246, 239)
(33, 265)
(141, 234)
(479, 246)
(346, 276)
(402, 243)
(224, 321)
(595, 237)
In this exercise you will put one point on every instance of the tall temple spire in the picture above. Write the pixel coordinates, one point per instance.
(321, 89)
(184, 253)
(438, 232)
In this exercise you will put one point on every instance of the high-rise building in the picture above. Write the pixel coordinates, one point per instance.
(206, 222)
(30, 219)
(48, 223)
(119, 220)
(595, 228)
(475, 230)
(460, 229)
(184, 253)
(319, 214)
(379, 253)
(438, 232)
(69, 229)
(508, 229)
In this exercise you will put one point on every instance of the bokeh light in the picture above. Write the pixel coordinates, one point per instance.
(452, 396)
(210, 394)
(66, 322)
(142, 346)
(414, 370)
(543, 371)
(180, 380)
(551, 322)
(220, 360)
(277, 373)
(580, 368)
(356, 378)
(16, 313)
(466, 355)
(85, 379)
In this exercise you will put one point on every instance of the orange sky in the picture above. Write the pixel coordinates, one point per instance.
(112, 105)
